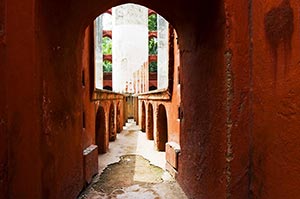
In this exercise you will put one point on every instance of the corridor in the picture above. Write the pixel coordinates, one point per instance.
(216, 86)
(132, 168)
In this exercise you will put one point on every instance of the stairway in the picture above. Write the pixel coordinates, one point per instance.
(131, 125)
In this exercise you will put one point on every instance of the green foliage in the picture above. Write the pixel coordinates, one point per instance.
(106, 46)
(152, 22)
(152, 45)
(107, 66)
(153, 67)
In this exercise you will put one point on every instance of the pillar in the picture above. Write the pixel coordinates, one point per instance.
(130, 43)
(162, 52)
(98, 32)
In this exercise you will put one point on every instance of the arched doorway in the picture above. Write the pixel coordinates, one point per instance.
(162, 128)
(112, 129)
(149, 130)
(100, 131)
(143, 122)
(118, 119)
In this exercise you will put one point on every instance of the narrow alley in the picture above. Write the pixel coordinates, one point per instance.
(132, 168)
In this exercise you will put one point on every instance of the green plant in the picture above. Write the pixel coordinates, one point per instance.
(153, 67)
(152, 45)
(107, 66)
(152, 22)
(106, 46)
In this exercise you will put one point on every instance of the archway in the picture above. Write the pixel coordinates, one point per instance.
(143, 121)
(162, 128)
(149, 130)
(118, 119)
(112, 129)
(100, 130)
(54, 50)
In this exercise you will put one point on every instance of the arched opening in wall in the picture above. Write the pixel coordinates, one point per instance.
(107, 88)
(118, 122)
(112, 126)
(134, 59)
(162, 128)
(152, 45)
(107, 73)
(100, 130)
(149, 130)
(143, 119)
(152, 88)
(152, 73)
(138, 55)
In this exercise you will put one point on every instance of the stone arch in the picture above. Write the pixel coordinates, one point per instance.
(100, 130)
(112, 123)
(107, 33)
(162, 128)
(143, 119)
(149, 129)
(107, 88)
(203, 42)
(152, 88)
(151, 12)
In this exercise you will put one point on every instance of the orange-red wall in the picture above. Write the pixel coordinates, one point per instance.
(88, 106)
(203, 141)
(276, 94)
(21, 103)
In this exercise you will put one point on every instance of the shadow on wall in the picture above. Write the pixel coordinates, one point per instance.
(112, 129)
(162, 128)
(100, 131)
(143, 122)
(149, 129)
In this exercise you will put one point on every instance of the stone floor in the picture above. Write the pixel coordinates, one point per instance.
(132, 169)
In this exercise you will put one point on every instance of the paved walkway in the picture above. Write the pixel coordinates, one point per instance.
(132, 169)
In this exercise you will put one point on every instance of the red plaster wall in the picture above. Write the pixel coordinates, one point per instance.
(202, 161)
(3, 116)
(107, 79)
(60, 63)
(276, 94)
(88, 106)
(20, 104)
(237, 75)
(172, 107)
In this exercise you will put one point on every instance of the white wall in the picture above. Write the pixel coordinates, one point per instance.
(98, 55)
(162, 52)
(130, 43)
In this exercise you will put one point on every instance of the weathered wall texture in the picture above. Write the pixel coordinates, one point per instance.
(202, 174)
(61, 93)
(276, 94)
(237, 75)
(21, 102)
(88, 108)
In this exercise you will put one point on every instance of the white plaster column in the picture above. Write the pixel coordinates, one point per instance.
(162, 52)
(130, 43)
(98, 54)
